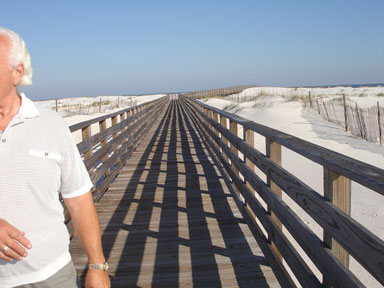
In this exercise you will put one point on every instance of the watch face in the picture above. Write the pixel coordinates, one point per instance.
(106, 266)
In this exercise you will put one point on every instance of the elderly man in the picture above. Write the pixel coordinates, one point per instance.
(38, 162)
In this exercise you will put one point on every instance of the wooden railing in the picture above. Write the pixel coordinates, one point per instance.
(343, 236)
(219, 92)
(105, 152)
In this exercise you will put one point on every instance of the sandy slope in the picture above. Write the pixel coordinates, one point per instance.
(86, 100)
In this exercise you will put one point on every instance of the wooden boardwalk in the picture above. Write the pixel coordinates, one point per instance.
(169, 220)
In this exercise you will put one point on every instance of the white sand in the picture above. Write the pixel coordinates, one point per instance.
(87, 100)
(278, 110)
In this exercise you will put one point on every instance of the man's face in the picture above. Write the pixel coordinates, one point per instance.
(9, 77)
(6, 81)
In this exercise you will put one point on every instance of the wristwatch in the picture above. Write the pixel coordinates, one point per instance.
(101, 266)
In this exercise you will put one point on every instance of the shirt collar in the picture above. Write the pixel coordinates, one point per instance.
(28, 108)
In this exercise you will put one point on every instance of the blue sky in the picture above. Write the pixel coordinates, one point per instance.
(91, 48)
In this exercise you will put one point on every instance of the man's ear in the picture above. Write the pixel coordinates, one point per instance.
(17, 74)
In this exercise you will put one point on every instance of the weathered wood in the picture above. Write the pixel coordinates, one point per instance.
(86, 133)
(90, 142)
(102, 127)
(102, 153)
(273, 152)
(362, 244)
(249, 138)
(149, 207)
(304, 274)
(323, 258)
(93, 140)
(326, 111)
(87, 123)
(360, 172)
(124, 132)
(183, 223)
(224, 123)
(337, 189)
(362, 134)
(215, 117)
(345, 113)
(234, 131)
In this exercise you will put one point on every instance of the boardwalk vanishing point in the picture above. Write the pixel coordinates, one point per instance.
(169, 219)
(181, 203)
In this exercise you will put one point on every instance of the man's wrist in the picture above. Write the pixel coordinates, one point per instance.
(98, 266)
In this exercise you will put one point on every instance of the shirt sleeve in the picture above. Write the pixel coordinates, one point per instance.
(75, 180)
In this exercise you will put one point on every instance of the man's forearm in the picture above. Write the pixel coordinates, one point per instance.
(86, 225)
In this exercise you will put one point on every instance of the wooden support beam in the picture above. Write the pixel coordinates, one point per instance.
(249, 138)
(337, 189)
(234, 131)
(273, 151)
(224, 123)
(215, 117)
(102, 127)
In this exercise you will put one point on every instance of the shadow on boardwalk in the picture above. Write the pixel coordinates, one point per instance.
(169, 219)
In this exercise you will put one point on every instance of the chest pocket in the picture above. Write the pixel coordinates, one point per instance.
(47, 155)
(43, 170)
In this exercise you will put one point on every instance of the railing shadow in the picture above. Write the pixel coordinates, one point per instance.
(246, 266)
(159, 250)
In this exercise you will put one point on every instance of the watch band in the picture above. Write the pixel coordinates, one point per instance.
(100, 266)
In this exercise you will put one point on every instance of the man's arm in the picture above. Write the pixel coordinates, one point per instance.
(86, 225)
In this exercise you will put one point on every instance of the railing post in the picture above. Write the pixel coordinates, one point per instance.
(103, 126)
(208, 113)
(115, 120)
(224, 123)
(234, 131)
(337, 189)
(249, 138)
(130, 133)
(124, 129)
(273, 152)
(215, 118)
(86, 133)
(134, 112)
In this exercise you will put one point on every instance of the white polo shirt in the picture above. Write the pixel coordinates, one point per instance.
(38, 161)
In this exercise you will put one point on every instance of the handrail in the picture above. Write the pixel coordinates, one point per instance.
(360, 172)
(331, 211)
(219, 92)
(106, 152)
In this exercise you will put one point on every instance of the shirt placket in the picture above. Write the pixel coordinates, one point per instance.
(5, 135)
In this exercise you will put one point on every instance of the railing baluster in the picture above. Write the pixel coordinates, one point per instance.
(123, 131)
(234, 130)
(86, 133)
(224, 123)
(215, 117)
(337, 189)
(273, 151)
(102, 127)
(249, 138)
(115, 121)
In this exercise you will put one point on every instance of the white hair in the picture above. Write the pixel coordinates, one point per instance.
(19, 54)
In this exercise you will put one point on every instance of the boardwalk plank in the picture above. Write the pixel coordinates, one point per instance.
(169, 220)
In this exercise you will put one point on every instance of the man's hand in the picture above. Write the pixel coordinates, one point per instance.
(97, 279)
(15, 240)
